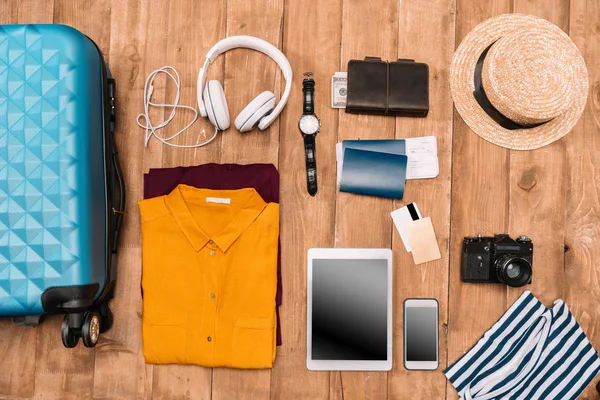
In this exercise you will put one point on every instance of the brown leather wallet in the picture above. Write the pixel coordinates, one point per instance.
(390, 88)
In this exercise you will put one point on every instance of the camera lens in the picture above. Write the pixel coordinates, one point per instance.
(514, 271)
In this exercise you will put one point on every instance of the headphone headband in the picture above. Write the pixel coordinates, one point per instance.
(254, 43)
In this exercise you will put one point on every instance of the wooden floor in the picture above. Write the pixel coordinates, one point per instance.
(551, 194)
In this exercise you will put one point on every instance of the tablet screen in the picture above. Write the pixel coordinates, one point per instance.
(349, 309)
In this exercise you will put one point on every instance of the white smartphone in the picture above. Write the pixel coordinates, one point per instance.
(421, 334)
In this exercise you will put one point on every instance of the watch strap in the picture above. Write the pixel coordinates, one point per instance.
(308, 89)
(311, 164)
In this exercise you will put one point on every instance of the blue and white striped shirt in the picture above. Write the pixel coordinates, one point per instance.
(531, 353)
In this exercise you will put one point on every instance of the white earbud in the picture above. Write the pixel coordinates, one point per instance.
(147, 122)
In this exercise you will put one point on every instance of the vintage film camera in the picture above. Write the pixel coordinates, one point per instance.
(497, 259)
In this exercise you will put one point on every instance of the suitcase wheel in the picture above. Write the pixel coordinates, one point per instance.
(70, 335)
(86, 326)
(90, 331)
(106, 317)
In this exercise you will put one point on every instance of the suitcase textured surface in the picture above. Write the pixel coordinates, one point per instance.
(53, 200)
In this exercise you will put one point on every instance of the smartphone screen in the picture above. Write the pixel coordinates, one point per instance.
(421, 334)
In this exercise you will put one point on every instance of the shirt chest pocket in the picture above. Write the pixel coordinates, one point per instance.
(164, 338)
(253, 343)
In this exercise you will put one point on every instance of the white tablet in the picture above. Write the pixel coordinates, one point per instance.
(349, 310)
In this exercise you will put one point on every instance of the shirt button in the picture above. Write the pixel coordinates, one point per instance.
(209, 338)
(212, 295)
(210, 241)
(212, 253)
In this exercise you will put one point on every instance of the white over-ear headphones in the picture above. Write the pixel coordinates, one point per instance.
(259, 112)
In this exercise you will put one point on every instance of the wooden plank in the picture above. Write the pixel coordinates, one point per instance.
(119, 351)
(537, 190)
(9, 11)
(336, 391)
(188, 382)
(17, 343)
(582, 272)
(193, 28)
(363, 221)
(305, 221)
(420, 24)
(90, 17)
(138, 44)
(17, 360)
(36, 11)
(60, 372)
(480, 185)
(247, 74)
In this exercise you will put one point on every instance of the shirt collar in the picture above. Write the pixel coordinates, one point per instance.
(253, 207)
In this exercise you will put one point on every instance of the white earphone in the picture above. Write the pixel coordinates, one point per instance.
(151, 128)
(259, 112)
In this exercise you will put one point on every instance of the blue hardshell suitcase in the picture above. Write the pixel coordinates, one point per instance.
(61, 189)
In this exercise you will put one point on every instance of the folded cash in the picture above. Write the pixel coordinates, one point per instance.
(339, 89)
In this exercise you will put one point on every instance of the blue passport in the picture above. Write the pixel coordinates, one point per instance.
(391, 146)
(373, 173)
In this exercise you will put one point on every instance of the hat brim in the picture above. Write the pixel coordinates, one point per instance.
(462, 85)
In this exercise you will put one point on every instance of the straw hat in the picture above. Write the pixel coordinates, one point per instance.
(519, 81)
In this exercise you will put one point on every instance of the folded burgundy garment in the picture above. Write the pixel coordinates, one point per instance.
(264, 178)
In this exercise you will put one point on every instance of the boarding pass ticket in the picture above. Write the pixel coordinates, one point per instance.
(422, 158)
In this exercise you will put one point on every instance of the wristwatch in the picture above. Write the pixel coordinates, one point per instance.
(309, 125)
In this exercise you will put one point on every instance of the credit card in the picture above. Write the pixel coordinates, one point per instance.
(402, 217)
(423, 242)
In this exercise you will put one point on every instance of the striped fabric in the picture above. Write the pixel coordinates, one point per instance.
(531, 353)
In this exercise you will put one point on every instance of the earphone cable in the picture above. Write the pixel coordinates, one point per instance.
(148, 125)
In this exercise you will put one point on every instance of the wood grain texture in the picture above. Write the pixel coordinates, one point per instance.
(119, 351)
(550, 194)
(364, 221)
(69, 373)
(92, 17)
(17, 343)
(17, 360)
(305, 221)
(36, 11)
(247, 74)
(203, 24)
(537, 193)
(61, 373)
(420, 24)
(582, 269)
(137, 46)
(9, 11)
(480, 188)
(193, 28)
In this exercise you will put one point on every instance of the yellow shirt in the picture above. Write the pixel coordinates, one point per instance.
(209, 278)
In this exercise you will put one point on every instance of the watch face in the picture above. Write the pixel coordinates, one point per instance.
(309, 124)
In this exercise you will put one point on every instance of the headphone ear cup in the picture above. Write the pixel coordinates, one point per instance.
(209, 108)
(251, 115)
(216, 105)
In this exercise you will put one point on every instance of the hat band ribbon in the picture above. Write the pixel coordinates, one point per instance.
(486, 105)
